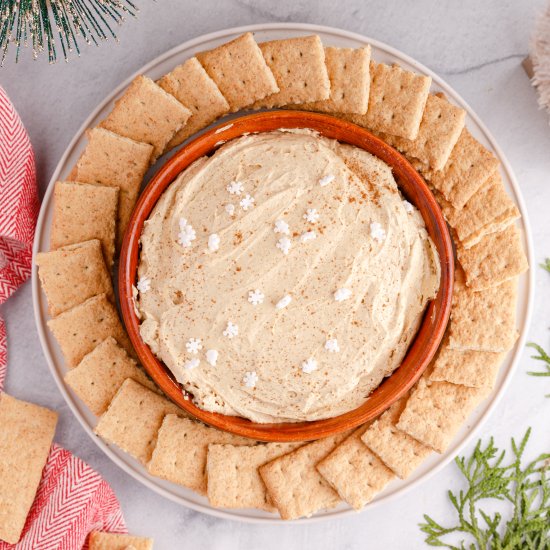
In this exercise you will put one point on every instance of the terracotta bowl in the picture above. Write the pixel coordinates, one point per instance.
(413, 187)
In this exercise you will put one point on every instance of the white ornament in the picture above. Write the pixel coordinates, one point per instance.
(255, 297)
(192, 364)
(342, 294)
(307, 236)
(235, 188)
(231, 330)
(247, 202)
(250, 379)
(311, 215)
(213, 242)
(187, 233)
(409, 208)
(309, 365)
(212, 357)
(284, 244)
(193, 345)
(332, 345)
(325, 180)
(230, 209)
(281, 227)
(144, 284)
(377, 232)
(283, 302)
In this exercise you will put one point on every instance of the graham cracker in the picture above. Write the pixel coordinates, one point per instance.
(80, 329)
(484, 320)
(293, 484)
(133, 419)
(190, 84)
(72, 274)
(354, 471)
(490, 210)
(82, 212)
(26, 435)
(100, 374)
(496, 258)
(99, 540)
(435, 411)
(398, 451)
(440, 127)
(182, 446)
(146, 113)
(396, 101)
(475, 369)
(469, 166)
(348, 72)
(298, 65)
(115, 161)
(239, 70)
(233, 478)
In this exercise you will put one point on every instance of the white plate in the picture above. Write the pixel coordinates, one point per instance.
(156, 69)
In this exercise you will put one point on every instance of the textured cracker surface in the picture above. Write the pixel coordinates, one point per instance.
(111, 541)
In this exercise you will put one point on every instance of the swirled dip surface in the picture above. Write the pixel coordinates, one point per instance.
(359, 269)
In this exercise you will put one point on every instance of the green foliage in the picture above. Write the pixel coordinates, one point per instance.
(524, 490)
(546, 265)
(37, 22)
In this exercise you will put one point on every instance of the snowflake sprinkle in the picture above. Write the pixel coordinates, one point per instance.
(255, 297)
(192, 364)
(231, 330)
(409, 208)
(247, 202)
(325, 180)
(235, 188)
(283, 302)
(213, 242)
(187, 233)
(332, 345)
(311, 215)
(144, 284)
(342, 294)
(250, 379)
(230, 209)
(377, 232)
(309, 366)
(281, 227)
(307, 236)
(212, 357)
(193, 345)
(284, 245)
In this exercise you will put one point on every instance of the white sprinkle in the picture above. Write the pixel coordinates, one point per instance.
(409, 208)
(309, 366)
(230, 209)
(250, 379)
(212, 356)
(283, 302)
(192, 364)
(332, 345)
(235, 188)
(193, 345)
(255, 297)
(311, 215)
(281, 227)
(284, 244)
(325, 180)
(307, 236)
(247, 202)
(342, 294)
(377, 232)
(144, 284)
(231, 330)
(213, 242)
(187, 233)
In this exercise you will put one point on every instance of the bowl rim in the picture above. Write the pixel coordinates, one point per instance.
(427, 339)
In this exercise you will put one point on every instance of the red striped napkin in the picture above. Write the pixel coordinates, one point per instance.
(72, 499)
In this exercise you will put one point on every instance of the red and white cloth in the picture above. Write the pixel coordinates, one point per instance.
(72, 499)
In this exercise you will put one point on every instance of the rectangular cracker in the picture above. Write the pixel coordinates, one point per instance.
(496, 258)
(146, 113)
(490, 210)
(72, 274)
(469, 166)
(115, 161)
(354, 471)
(435, 411)
(133, 419)
(348, 72)
(398, 451)
(97, 378)
(484, 320)
(99, 540)
(440, 127)
(294, 485)
(298, 65)
(80, 329)
(181, 449)
(82, 212)
(239, 70)
(26, 435)
(475, 369)
(190, 84)
(233, 478)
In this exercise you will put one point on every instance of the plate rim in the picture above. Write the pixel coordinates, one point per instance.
(143, 477)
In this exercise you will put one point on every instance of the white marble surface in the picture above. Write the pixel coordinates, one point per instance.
(477, 47)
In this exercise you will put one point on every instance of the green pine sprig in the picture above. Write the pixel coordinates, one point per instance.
(542, 356)
(38, 22)
(523, 489)
(546, 265)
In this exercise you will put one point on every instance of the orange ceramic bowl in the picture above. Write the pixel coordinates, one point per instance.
(413, 187)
